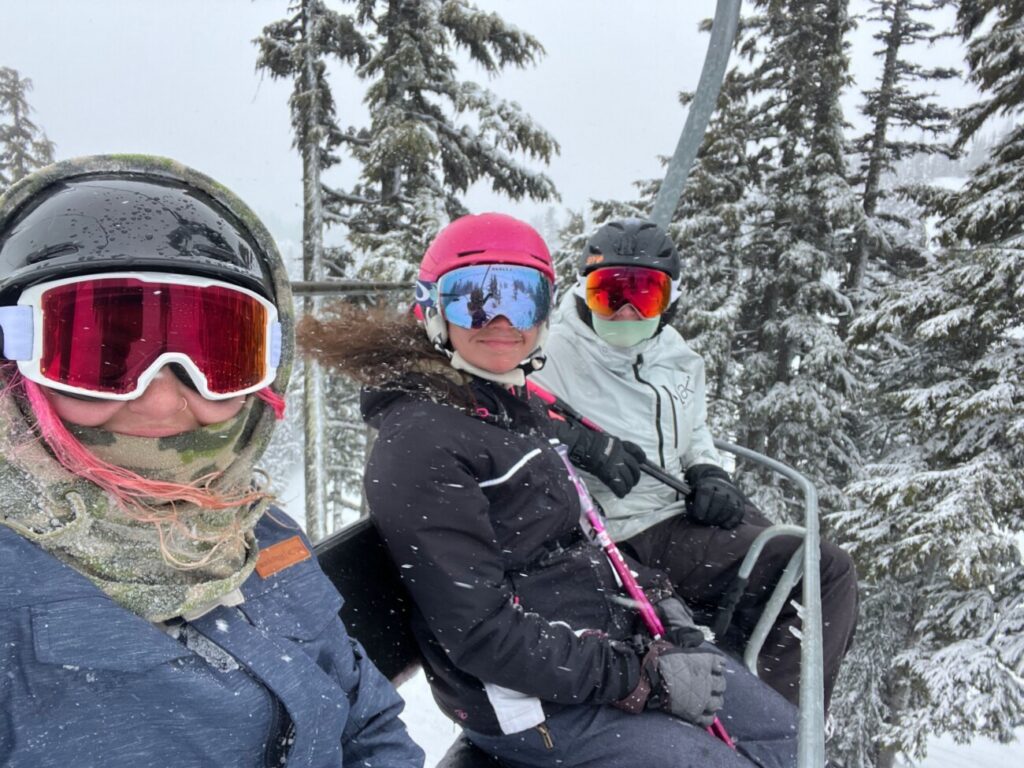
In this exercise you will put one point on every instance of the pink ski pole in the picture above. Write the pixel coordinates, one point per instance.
(647, 612)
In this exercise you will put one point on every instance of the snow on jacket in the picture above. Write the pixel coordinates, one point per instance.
(85, 682)
(651, 394)
(482, 520)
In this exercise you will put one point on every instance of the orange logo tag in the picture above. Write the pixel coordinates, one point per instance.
(594, 259)
(282, 555)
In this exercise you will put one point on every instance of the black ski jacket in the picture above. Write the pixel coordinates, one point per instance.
(480, 516)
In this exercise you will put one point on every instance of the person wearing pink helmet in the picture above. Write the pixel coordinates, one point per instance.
(529, 641)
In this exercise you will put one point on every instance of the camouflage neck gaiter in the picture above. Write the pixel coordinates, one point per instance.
(158, 560)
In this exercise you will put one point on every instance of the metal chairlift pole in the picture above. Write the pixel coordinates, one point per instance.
(811, 748)
(723, 32)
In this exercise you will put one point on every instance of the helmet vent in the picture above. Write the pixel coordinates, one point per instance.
(464, 254)
(626, 246)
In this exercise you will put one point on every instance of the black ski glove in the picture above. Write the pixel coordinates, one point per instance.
(714, 500)
(686, 682)
(614, 462)
(680, 628)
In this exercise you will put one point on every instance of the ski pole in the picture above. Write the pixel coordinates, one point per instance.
(562, 408)
(643, 605)
(647, 612)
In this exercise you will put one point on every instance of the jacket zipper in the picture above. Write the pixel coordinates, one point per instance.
(657, 407)
(545, 734)
(675, 417)
(277, 741)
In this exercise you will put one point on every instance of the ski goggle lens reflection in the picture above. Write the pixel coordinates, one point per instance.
(108, 336)
(471, 297)
(610, 288)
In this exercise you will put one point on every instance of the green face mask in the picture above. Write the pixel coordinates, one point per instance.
(625, 333)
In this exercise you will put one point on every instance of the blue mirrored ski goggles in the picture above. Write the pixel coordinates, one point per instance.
(471, 297)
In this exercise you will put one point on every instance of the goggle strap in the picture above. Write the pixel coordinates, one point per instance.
(426, 294)
(16, 323)
(275, 344)
(677, 291)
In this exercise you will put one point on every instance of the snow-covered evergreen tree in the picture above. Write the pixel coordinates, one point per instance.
(23, 145)
(796, 378)
(549, 225)
(897, 109)
(431, 134)
(938, 513)
(298, 48)
(566, 249)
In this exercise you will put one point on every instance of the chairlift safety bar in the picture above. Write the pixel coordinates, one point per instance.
(811, 727)
(349, 287)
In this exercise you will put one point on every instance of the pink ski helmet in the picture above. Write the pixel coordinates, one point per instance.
(486, 238)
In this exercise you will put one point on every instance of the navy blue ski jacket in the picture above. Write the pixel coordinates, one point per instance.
(84, 682)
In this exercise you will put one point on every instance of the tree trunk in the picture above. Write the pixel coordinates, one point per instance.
(391, 177)
(312, 269)
(877, 153)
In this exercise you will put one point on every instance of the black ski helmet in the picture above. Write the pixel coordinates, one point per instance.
(108, 213)
(99, 214)
(630, 242)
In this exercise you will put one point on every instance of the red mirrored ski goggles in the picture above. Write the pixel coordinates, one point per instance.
(609, 289)
(107, 336)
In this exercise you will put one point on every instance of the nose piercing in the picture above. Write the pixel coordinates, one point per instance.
(184, 404)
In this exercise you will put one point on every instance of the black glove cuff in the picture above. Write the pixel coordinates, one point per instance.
(699, 472)
(638, 699)
(567, 433)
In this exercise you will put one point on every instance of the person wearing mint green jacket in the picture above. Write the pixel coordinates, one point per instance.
(614, 356)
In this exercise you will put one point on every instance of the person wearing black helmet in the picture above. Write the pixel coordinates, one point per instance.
(614, 357)
(155, 607)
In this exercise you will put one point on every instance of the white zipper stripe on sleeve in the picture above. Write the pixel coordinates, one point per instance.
(518, 465)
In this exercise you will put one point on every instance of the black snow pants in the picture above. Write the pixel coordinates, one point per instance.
(702, 562)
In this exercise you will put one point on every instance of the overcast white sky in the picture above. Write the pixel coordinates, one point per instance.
(178, 79)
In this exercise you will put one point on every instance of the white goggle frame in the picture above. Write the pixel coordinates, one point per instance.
(22, 344)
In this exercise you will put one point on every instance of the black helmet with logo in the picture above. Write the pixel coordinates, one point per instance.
(630, 242)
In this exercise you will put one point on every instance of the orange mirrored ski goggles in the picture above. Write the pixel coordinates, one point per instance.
(609, 289)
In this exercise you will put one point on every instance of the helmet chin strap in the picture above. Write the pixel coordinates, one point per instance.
(437, 331)
(513, 378)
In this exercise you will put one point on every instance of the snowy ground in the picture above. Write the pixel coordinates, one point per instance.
(435, 733)
(981, 753)
(427, 726)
